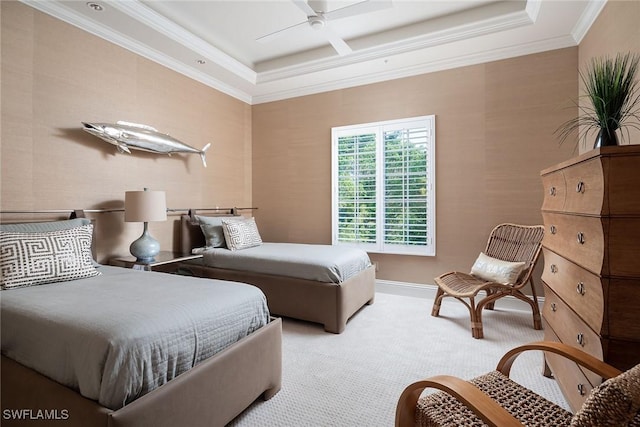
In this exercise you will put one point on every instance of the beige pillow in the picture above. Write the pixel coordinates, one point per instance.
(28, 259)
(241, 234)
(497, 270)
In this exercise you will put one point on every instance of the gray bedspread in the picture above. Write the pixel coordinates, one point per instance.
(120, 335)
(323, 263)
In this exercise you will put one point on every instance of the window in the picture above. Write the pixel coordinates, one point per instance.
(383, 184)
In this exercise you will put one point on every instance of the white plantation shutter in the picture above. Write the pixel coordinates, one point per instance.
(383, 186)
(357, 188)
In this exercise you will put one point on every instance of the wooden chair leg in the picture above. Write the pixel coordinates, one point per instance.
(477, 332)
(435, 311)
(476, 319)
(491, 305)
(537, 320)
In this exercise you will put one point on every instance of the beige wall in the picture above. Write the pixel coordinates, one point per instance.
(494, 122)
(616, 30)
(494, 133)
(54, 76)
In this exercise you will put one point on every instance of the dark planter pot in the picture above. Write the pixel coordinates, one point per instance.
(606, 139)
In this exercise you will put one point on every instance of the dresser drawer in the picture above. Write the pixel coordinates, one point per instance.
(554, 191)
(574, 384)
(579, 288)
(578, 238)
(585, 187)
(570, 329)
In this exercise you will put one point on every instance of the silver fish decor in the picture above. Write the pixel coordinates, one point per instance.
(125, 135)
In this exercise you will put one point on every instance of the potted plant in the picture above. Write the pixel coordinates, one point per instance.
(613, 93)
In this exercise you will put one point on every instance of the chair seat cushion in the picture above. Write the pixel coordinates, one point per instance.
(442, 409)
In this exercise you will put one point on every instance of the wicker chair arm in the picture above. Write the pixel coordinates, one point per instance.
(588, 361)
(481, 404)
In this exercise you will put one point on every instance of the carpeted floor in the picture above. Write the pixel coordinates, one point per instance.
(354, 379)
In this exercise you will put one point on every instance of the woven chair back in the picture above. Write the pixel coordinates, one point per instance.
(515, 243)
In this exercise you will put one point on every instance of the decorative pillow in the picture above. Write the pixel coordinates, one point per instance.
(241, 234)
(615, 402)
(28, 259)
(212, 229)
(38, 227)
(496, 270)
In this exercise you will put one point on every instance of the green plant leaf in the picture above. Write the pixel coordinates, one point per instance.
(612, 89)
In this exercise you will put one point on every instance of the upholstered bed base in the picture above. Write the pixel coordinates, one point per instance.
(210, 394)
(331, 304)
(328, 303)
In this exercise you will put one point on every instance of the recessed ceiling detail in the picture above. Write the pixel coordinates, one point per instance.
(265, 50)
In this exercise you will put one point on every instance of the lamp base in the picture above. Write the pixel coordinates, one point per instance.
(145, 248)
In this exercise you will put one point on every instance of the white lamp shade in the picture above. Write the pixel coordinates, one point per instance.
(145, 206)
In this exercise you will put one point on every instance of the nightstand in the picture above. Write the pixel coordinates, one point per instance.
(165, 261)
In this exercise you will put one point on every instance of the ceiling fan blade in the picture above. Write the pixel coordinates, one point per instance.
(277, 34)
(304, 6)
(365, 6)
(336, 41)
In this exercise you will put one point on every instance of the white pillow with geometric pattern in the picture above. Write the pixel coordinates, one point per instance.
(28, 259)
(241, 234)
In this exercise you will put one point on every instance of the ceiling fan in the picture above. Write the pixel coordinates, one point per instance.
(318, 19)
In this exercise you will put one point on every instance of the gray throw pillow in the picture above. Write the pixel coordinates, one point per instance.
(211, 227)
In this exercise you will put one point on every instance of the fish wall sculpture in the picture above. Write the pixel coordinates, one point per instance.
(125, 135)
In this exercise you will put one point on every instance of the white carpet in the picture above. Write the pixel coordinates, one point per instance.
(355, 378)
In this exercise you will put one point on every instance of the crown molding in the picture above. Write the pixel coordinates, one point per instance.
(423, 68)
(143, 14)
(96, 28)
(287, 82)
(586, 20)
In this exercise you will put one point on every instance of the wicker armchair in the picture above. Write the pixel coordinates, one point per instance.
(495, 400)
(507, 244)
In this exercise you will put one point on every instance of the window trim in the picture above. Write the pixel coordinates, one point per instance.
(380, 246)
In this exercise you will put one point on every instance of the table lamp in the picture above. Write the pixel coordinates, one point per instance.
(145, 206)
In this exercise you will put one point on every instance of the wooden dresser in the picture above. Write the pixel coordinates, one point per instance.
(591, 274)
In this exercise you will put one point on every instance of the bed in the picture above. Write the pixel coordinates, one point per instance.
(106, 346)
(326, 297)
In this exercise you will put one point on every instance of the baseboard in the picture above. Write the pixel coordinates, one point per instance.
(429, 291)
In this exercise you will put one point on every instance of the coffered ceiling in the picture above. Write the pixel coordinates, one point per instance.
(237, 46)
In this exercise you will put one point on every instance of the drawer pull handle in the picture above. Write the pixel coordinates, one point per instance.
(581, 389)
(580, 288)
(553, 307)
(580, 339)
(581, 237)
(552, 191)
(553, 229)
(554, 268)
(580, 187)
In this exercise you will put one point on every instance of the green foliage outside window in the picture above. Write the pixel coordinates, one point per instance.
(404, 184)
